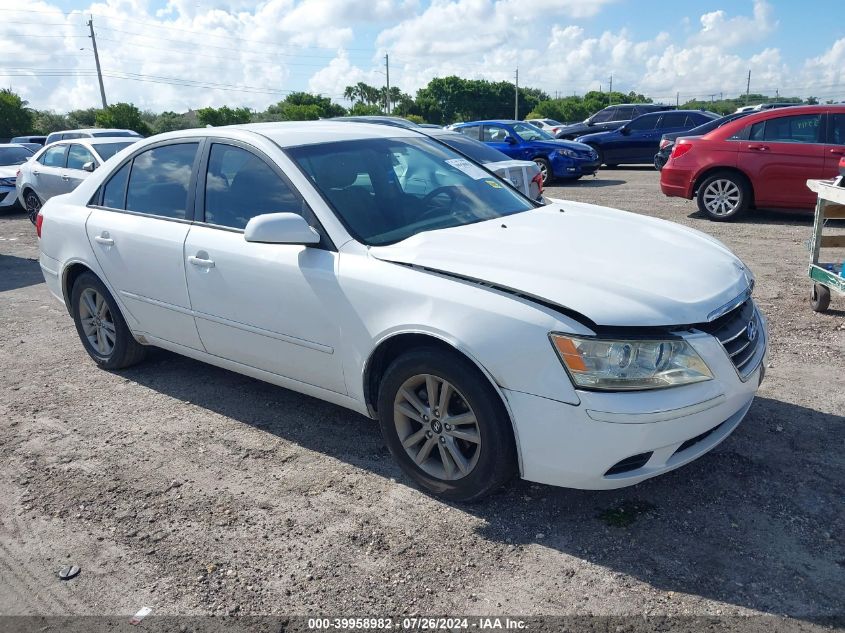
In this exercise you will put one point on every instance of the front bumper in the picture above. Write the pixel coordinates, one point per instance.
(576, 446)
(8, 197)
(565, 167)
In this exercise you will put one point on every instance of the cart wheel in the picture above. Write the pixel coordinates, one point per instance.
(820, 298)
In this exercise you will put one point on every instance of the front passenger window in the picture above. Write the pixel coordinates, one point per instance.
(159, 180)
(239, 186)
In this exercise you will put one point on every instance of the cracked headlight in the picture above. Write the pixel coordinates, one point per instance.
(622, 365)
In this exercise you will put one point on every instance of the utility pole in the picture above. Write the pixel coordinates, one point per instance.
(748, 87)
(677, 99)
(610, 91)
(97, 61)
(516, 96)
(387, 74)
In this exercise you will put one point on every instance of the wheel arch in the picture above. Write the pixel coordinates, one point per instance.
(710, 171)
(394, 345)
(72, 271)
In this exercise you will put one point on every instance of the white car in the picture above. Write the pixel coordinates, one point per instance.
(59, 168)
(578, 345)
(12, 156)
(550, 125)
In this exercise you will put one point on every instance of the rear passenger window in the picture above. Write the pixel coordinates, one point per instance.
(159, 180)
(239, 185)
(54, 157)
(471, 131)
(837, 129)
(114, 193)
(802, 128)
(673, 119)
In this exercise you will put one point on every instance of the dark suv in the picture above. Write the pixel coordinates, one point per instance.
(610, 118)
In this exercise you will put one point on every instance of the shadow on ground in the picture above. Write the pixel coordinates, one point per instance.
(756, 523)
(18, 272)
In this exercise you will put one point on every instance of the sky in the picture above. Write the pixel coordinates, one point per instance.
(183, 54)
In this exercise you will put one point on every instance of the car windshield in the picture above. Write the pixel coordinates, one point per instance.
(385, 190)
(14, 155)
(531, 133)
(476, 150)
(107, 150)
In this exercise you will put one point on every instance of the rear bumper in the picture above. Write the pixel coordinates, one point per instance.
(51, 269)
(613, 440)
(676, 182)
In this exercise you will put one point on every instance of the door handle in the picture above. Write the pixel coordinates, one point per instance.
(837, 151)
(65, 177)
(104, 239)
(199, 261)
(759, 148)
(35, 172)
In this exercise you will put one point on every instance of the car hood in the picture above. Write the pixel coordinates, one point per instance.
(573, 128)
(613, 267)
(559, 144)
(9, 171)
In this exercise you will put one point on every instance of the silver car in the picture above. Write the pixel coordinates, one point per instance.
(12, 156)
(60, 167)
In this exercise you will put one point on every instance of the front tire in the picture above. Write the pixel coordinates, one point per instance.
(445, 425)
(723, 196)
(101, 326)
(545, 170)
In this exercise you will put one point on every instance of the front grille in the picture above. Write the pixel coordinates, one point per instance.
(695, 440)
(628, 464)
(739, 332)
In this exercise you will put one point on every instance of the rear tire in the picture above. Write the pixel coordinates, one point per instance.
(32, 204)
(100, 325)
(723, 196)
(460, 446)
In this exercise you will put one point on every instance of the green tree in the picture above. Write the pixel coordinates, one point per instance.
(46, 121)
(223, 116)
(82, 118)
(301, 106)
(169, 121)
(123, 116)
(15, 118)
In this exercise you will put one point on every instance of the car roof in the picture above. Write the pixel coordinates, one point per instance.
(296, 133)
(96, 140)
(732, 127)
(14, 145)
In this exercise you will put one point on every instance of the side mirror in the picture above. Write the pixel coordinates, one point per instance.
(510, 140)
(280, 228)
(89, 166)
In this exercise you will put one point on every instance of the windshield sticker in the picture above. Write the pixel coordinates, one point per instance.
(473, 171)
(493, 184)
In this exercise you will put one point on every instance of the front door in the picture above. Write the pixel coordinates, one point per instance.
(268, 306)
(73, 174)
(138, 231)
(780, 155)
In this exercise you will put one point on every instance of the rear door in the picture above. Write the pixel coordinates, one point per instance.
(137, 232)
(780, 155)
(835, 147)
(47, 172)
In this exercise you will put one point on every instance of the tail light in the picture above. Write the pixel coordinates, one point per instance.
(664, 143)
(842, 163)
(39, 220)
(538, 178)
(555, 130)
(680, 149)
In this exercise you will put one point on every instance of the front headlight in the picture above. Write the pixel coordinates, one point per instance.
(616, 365)
(568, 153)
(7, 182)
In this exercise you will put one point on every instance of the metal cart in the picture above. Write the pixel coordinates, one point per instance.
(830, 206)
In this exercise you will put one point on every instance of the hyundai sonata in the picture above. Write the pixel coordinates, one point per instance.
(377, 269)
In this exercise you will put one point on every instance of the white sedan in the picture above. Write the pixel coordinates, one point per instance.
(375, 268)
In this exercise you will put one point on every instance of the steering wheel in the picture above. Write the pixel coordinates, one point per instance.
(454, 192)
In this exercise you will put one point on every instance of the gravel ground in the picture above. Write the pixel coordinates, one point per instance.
(194, 490)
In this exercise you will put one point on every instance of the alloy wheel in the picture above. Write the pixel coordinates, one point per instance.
(97, 322)
(32, 204)
(544, 171)
(437, 427)
(722, 197)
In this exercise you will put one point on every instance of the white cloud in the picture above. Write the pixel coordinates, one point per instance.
(718, 29)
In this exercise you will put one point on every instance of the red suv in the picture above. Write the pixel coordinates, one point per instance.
(761, 160)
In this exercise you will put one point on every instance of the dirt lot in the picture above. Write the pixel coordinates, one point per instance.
(193, 490)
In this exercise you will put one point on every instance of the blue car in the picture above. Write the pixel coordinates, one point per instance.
(523, 141)
(637, 141)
